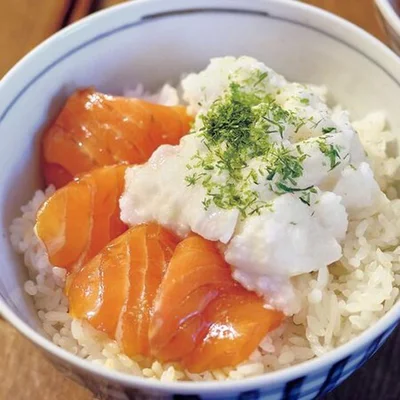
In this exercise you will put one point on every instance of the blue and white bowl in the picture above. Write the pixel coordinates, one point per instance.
(153, 42)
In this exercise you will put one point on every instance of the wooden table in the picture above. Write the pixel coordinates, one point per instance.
(24, 372)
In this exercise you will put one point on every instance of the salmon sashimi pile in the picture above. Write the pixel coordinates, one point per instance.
(159, 294)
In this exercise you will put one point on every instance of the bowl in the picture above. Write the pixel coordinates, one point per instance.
(388, 11)
(153, 42)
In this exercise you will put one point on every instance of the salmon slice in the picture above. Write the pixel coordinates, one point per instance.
(94, 130)
(202, 317)
(239, 324)
(115, 291)
(82, 217)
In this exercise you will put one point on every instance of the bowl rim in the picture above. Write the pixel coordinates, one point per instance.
(389, 14)
(273, 379)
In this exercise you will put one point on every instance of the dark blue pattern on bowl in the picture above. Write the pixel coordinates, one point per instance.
(293, 389)
(334, 375)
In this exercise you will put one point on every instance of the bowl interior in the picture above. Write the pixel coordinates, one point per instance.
(153, 43)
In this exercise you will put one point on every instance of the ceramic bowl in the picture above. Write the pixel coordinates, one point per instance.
(153, 42)
(389, 15)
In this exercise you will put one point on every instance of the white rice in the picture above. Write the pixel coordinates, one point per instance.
(338, 304)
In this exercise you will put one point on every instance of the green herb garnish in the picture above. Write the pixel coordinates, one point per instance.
(331, 151)
(237, 129)
(329, 129)
(261, 77)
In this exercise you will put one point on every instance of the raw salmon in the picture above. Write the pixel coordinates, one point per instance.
(202, 316)
(94, 130)
(82, 217)
(116, 289)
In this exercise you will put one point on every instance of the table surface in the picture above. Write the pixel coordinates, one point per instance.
(24, 372)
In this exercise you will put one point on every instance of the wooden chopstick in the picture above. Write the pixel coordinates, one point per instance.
(78, 10)
(109, 3)
(24, 24)
(81, 8)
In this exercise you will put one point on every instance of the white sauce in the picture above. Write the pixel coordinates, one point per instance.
(157, 191)
(290, 237)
